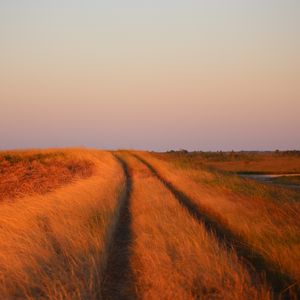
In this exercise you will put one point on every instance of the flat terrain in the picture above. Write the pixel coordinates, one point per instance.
(242, 162)
(89, 224)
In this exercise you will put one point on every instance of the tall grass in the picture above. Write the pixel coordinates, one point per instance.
(173, 256)
(270, 227)
(54, 246)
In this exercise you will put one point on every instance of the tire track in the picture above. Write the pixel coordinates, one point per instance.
(283, 286)
(118, 278)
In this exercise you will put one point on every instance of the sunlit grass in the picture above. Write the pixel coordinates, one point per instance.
(54, 246)
(56, 243)
(266, 217)
(173, 256)
(38, 172)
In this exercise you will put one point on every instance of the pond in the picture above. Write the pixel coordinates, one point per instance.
(285, 180)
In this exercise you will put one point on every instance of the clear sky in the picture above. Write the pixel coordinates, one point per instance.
(155, 74)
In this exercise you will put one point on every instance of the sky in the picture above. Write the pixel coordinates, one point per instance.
(156, 75)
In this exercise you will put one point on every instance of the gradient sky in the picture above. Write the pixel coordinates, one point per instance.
(155, 74)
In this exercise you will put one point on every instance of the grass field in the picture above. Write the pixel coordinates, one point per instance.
(89, 224)
(277, 162)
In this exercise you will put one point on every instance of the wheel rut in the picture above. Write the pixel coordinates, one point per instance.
(257, 264)
(118, 278)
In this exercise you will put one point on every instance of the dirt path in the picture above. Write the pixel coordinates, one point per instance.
(256, 263)
(174, 257)
(118, 282)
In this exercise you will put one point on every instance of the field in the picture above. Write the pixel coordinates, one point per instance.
(90, 224)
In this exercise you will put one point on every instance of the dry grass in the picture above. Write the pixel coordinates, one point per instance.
(173, 256)
(242, 162)
(38, 172)
(269, 226)
(54, 246)
(56, 240)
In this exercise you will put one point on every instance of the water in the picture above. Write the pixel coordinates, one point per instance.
(269, 178)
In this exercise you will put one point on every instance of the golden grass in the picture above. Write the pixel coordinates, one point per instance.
(38, 172)
(268, 164)
(248, 162)
(56, 240)
(54, 246)
(270, 227)
(173, 256)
